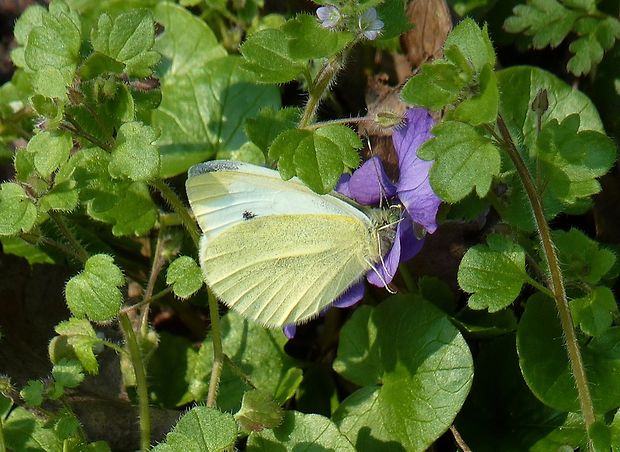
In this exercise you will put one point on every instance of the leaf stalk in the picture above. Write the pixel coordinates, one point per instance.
(555, 281)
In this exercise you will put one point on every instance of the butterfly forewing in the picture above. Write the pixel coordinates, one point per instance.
(273, 250)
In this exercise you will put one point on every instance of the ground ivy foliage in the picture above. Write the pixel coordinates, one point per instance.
(411, 358)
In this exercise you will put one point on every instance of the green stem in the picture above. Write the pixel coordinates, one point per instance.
(179, 208)
(157, 296)
(37, 239)
(2, 445)
(113, 346)
(238, 371)
(158, 262)
(407, 278)
(218, 352)
(556, 283)
(355, 120)
(80, 251)
(73, 127)
(138, 367)
(318, 88)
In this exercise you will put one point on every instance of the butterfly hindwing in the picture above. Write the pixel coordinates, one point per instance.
(273, 250)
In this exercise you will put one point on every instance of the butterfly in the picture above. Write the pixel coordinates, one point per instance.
(275, 251)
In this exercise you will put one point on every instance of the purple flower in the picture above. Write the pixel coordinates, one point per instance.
(370, 24)
(370, 184)
(329, 16)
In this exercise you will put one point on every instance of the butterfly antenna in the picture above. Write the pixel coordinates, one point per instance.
(380, 276)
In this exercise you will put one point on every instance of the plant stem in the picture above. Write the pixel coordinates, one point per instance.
(2, 445)
(354, 120)
(179, 208)
(158, 262)
(318, 88)
(138, 367)
(36, 239)
(73, 127)
(555, 282)
(218, 352)
(80, 251)
(157, 296)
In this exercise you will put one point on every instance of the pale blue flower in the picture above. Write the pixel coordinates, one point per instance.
(329, 16)
(370, 24)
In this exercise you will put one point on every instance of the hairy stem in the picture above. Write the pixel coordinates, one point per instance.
(2, 445)
(142, 389)
(179, 208)
(218, 352)
(158, 262)
(80, 251)
(556, 283)
(319, 87)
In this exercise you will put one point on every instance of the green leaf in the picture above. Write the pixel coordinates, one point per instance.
(464, 160)
(17, 212)
(394, 17)
(68, 373)
(301, 432)
(317, 157)
(434, 87)
(52, 49)
(24, 432)
(545, 367)
(258, 411)
(258, 353)
(307, 39)
(573, 159)
(19, 247)
(582, 258)
(81, 336)
(202, 113)
(615, 433)
(473, 43)
(412, 345)
(128, 39)
(483, 324)
(481, 108)
(98, 64)
(269, 123)
(594, 313)
(126, 205)
(202, 428)
(493, 273)
(50, 149)
(170, 369)
(187, 43)
(267, 57)
(248, 152)
(547, 21)
(134, 156)
(62, 197)
(184, 276)
(94, 293)
(589, 49)
(33, 393)
(500, 397)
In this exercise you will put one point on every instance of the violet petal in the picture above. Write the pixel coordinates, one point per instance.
(350, 296)
(290, 330)
(414, 189)
(410, 245)
(369, 184)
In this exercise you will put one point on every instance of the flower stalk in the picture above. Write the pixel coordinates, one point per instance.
(141, 384)
(555, 281)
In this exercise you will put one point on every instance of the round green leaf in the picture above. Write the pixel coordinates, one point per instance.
(301, 432)
(134, 156)
(50, 149)
(184, 276)
(544, 362)
(94, 293)
(425, 368)
(17, 212)
(493, 273)
(202, 428)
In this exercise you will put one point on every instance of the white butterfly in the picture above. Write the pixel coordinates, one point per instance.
(275, 251)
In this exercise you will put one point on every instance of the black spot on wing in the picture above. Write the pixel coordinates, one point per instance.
(212, 167)
(247, 215)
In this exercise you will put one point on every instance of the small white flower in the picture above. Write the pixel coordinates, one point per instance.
(370, 24)
(329, 16)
